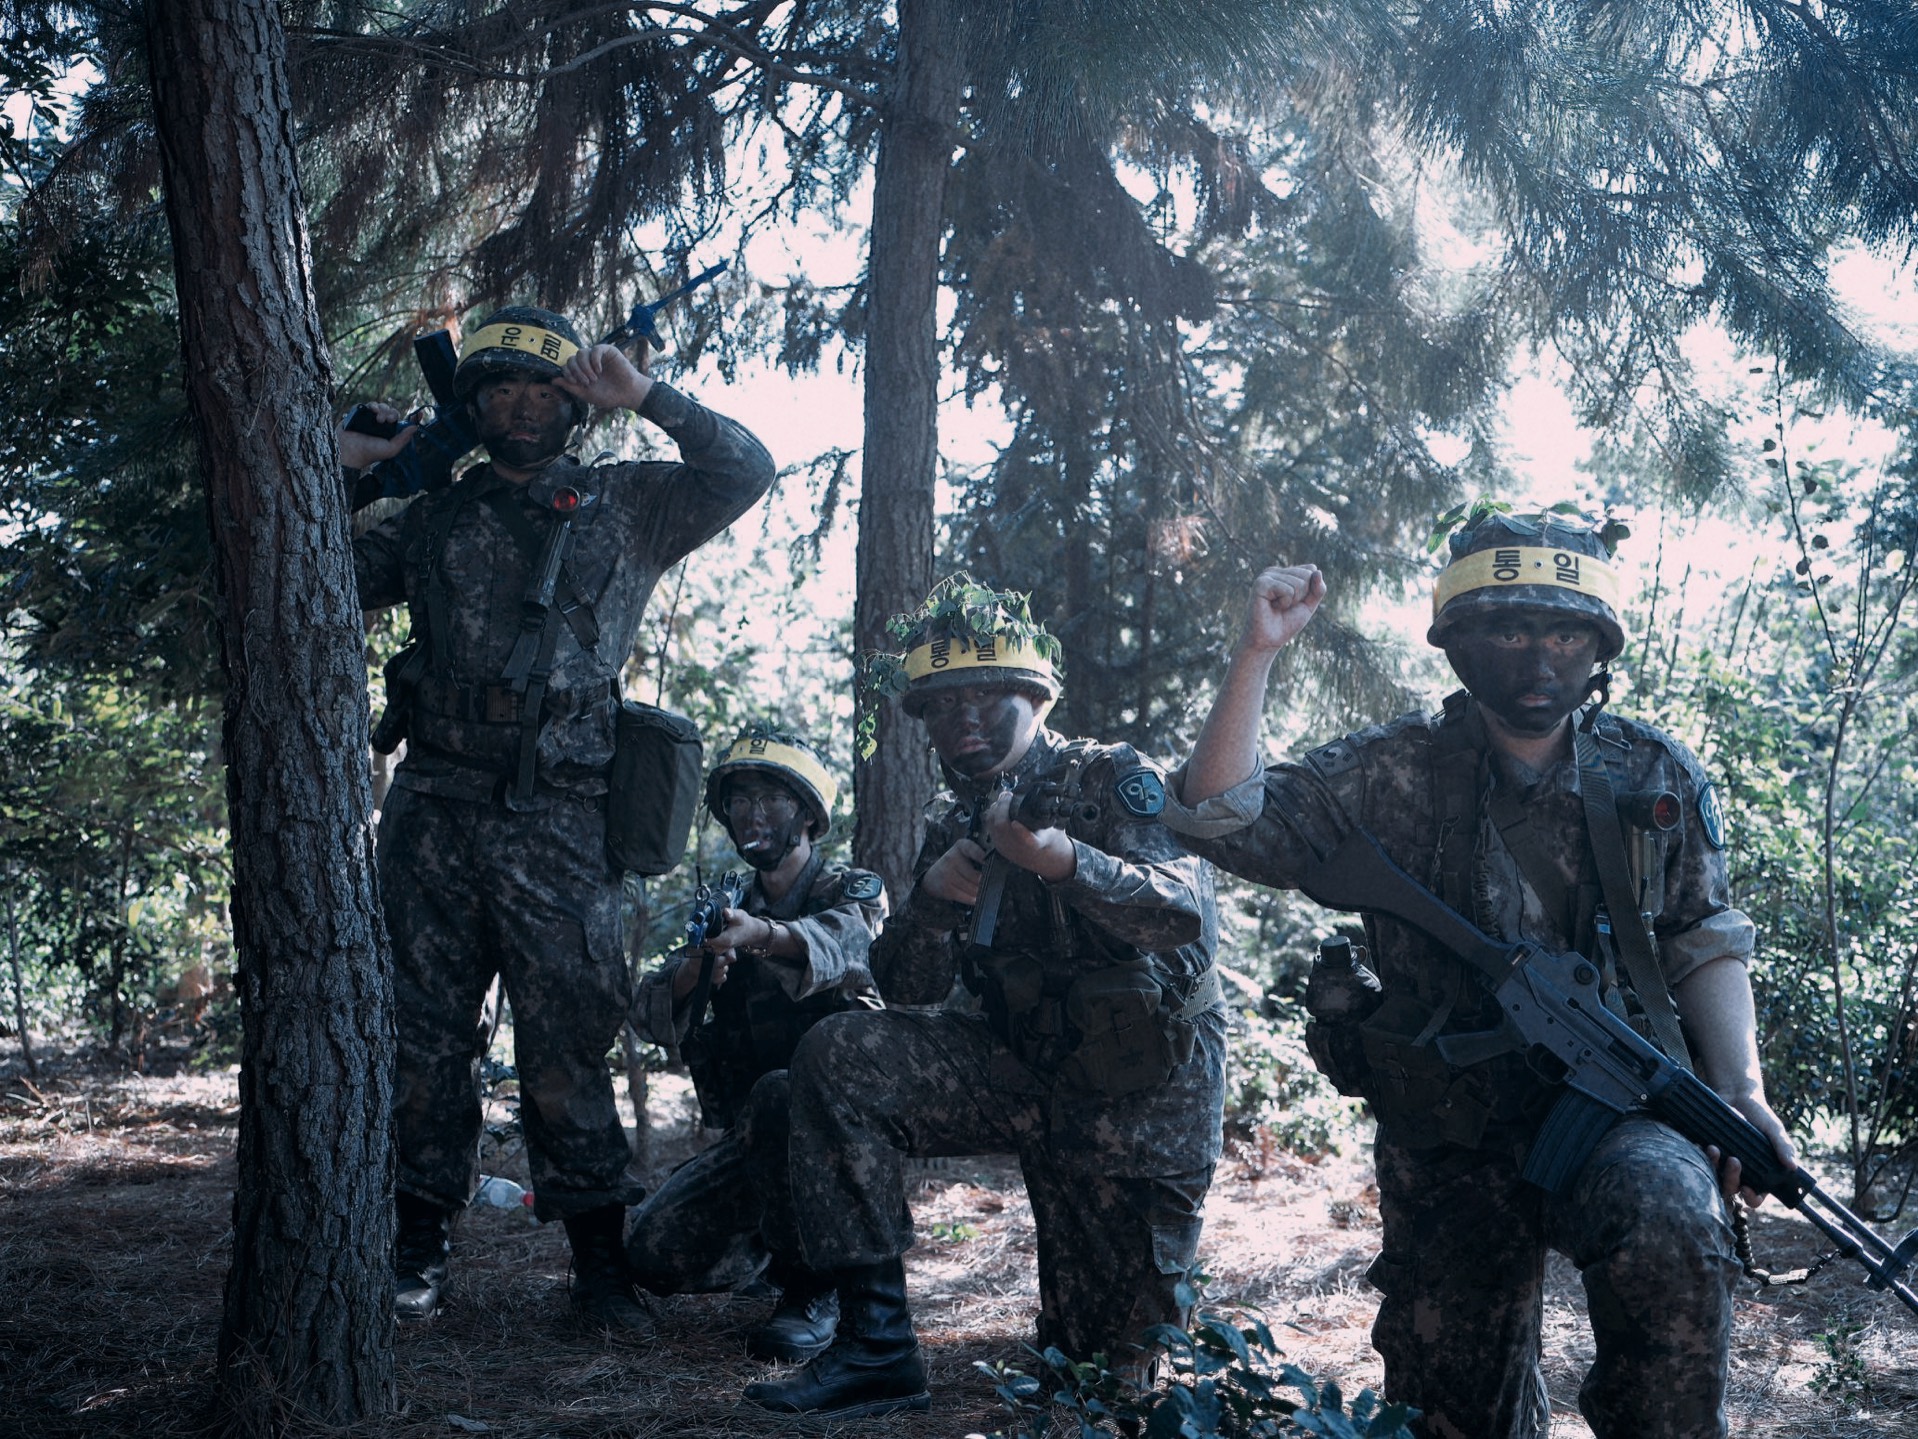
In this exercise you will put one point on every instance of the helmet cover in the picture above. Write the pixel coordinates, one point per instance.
(520, 340)
(765, 749)
(967, 634)
(1528, 562)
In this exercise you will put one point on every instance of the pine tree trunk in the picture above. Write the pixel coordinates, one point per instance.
(901, 459)
(306, 1331)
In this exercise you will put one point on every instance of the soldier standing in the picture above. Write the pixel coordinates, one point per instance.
(1092, 1045)
(526, 581)
(1530, 816)
(793, 953)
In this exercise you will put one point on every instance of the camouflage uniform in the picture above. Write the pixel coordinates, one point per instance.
(714, 1220)
(1462, 1267)
(476, 881)
(1117, 1184)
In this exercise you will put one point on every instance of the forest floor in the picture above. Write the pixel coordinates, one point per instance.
(114, 1200)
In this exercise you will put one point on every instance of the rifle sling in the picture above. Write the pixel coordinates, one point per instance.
(1629, 930)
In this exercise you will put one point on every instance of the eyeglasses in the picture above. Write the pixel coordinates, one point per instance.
(774, 804)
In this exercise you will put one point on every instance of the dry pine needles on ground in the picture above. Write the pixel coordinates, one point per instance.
(114, 1199)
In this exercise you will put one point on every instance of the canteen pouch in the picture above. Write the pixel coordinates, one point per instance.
(654, 788)
(1124, 1042)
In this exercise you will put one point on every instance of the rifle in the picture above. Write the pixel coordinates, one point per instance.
(710, 902)
(427, 463)
(1042, 805)
(1552, 1002)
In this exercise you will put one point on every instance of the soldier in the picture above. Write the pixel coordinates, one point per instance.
(492, 846)
(1506, 798)
(794, 952)
(1093, 1046)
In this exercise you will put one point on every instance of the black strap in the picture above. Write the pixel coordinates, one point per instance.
(1458, 761)
(573, 609)
(1629, 930)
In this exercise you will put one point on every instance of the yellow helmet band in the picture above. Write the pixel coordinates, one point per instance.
(528, 339)
(1510, 565)
(943, 655)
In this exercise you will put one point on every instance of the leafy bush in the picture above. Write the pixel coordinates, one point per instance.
(1227, 1382)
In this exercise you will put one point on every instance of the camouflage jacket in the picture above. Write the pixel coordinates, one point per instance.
(765, 1005)
(649, 516)
(1388, 779)
(1136, 895)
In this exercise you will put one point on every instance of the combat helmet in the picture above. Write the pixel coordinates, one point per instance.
(1504, 561)
(966, 633)
(518, 340)
(764, 749)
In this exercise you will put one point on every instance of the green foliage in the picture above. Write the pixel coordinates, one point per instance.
(1228, 1381)
(115, 861)
(1842, 1375)
(1274, 1096)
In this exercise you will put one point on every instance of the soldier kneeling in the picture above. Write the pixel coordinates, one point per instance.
(794, 953)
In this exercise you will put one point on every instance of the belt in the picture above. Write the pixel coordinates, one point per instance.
(1207, 994)
(501, 704)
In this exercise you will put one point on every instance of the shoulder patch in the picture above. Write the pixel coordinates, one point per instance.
(1141, 792)
(1710, 816)
(1334, 759)
(863, 884)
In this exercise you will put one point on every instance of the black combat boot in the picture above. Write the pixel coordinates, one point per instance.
(803, 1322)
(602, 1288)
(873, 1366)
(421, 1253)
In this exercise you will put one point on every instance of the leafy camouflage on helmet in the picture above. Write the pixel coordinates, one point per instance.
(1553, 561)
(966, 633)
(764, 749)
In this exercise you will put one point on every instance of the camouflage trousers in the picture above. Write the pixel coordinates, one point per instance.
(719, 1216)
(473, 890)
(869, 1089)
(1462, 1272)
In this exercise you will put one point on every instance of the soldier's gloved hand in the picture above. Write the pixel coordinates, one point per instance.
(357, 451)
(1754, 1108)
(1047, 853)
(955, 874)
(603, 377)
(1284, 599)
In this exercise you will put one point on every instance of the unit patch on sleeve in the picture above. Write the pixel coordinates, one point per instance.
(1142, 793)
(863, 885)
(1711, 816)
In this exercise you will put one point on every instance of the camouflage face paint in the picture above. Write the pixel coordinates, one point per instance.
(978, 730)
(523, 423)
(1531, 668)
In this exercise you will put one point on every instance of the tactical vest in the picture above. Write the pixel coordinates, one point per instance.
(492, 728)
(1115, 1024)
(1391, 1056)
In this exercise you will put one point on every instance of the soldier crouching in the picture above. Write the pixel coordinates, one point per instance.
(1093, 1048)
(792, 954)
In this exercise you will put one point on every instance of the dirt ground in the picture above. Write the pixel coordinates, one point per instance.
(114, 1196)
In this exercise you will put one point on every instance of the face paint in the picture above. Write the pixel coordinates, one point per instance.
(979, 731)
(523, 423)
(766, 821)
(1531, 668)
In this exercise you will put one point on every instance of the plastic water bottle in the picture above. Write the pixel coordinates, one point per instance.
(501, 1193)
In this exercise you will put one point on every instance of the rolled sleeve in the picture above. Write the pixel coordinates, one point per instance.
(1729, 934)
(1220, 815)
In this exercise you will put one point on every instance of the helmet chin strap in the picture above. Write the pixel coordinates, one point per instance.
(1599, 684)
(770, 857)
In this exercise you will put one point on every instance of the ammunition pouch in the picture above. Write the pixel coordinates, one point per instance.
(1115, 1030)
(401, 675)
(654, 788)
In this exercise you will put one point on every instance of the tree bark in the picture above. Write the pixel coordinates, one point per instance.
(901, 457)
(306, 1328)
